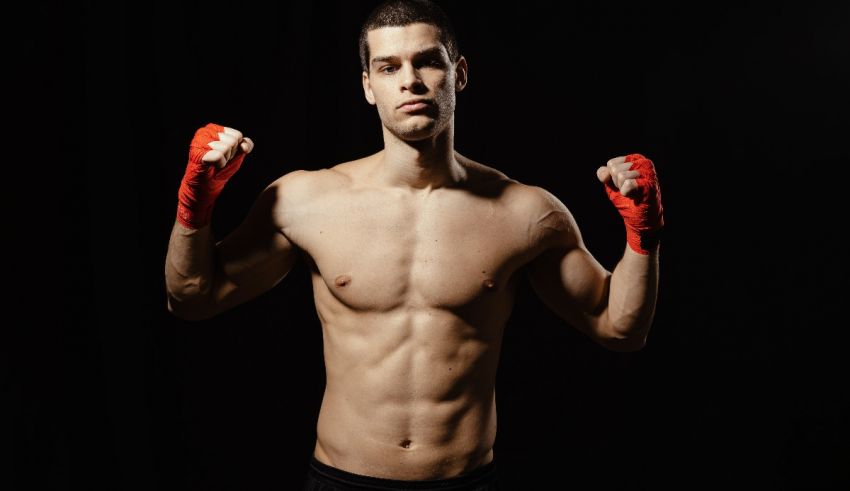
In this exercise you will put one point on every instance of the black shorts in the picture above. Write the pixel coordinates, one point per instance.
(322, 477)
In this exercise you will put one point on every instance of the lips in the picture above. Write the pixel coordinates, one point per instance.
(415, 105)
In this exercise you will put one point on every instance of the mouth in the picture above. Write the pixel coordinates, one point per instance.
(415, 106)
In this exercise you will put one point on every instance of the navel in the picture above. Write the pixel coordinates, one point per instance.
(405, 443)
(342, 280)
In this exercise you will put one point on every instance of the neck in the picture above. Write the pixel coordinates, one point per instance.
(424, 164)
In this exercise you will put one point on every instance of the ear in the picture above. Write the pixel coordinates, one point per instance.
(367, 89)
(461, 74)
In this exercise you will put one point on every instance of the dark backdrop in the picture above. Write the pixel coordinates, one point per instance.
(743, 109)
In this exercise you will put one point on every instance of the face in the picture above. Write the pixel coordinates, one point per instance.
(409, 62)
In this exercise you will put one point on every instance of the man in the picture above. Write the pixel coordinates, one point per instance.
(415, 253)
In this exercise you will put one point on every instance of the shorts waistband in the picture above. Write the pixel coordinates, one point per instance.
(478, 475)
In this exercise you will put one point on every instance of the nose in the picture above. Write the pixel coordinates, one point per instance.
(410, 78)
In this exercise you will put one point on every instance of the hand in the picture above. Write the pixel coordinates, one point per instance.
(228, 145)
(618, 173)
(215, 154)
(631, 184)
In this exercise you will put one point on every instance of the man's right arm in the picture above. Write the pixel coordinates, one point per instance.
(204, 278)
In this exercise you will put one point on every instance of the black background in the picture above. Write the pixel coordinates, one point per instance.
(743, 108)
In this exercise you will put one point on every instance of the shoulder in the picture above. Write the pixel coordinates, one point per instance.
(521, 196)
(550, 222)
(299, 186)
(528, 200)
(480, 174)
(293, 198)
(541, 202)
(484, 180)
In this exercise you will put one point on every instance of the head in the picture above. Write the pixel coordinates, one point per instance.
(408, 51)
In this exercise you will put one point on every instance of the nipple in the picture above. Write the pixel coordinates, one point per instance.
(489, 284)
(405, 443)
(342, 280)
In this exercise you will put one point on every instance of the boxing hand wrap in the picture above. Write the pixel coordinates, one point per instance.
(643, 215)
(203, 181)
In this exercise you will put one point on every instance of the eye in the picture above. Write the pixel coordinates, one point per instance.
(385, 68)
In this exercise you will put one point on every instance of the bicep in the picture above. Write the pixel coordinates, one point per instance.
(564, 274)
(256, 256)
(572, 283)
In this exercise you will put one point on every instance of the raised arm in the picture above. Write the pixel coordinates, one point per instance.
(203, 278)
(613, 309)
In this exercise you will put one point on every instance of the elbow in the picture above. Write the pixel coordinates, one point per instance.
(625, 341)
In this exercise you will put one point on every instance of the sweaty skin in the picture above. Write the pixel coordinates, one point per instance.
(413, 291)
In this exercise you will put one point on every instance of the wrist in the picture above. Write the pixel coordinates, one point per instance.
(193, 218)
(195, 205)
(643, 242)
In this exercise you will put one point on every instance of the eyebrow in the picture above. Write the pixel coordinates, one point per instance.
(435, 50)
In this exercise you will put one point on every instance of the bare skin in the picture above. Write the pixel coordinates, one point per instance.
(413, 292)
(415, 255)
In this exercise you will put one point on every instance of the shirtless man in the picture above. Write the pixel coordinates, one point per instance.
(415, 253)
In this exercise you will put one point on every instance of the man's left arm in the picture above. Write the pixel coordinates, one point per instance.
(614, 309)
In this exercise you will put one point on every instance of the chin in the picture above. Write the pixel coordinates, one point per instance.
(413, 132)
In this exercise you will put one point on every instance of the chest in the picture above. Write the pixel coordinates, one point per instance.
(376, 252)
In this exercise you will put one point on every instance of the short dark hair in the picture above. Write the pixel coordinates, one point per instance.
(393, 13)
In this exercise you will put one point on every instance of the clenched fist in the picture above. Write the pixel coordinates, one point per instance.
(215, 154)
(631, 184)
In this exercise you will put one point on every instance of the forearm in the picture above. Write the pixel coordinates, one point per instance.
(632, 294)
(189, 267)
(215, 153)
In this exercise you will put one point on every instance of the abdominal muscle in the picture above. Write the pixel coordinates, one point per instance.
(410, 394)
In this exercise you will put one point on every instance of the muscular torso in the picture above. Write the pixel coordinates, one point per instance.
(413, 291)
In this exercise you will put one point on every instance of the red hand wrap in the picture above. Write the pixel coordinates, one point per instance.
(203, 182)
(643, 216)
